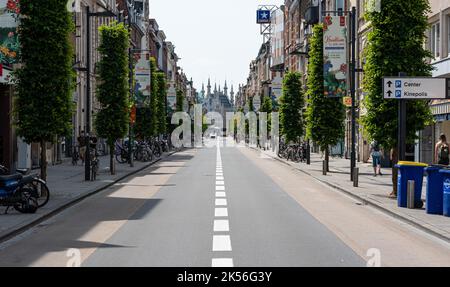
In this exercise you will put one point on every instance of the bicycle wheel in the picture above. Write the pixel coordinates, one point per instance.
(41, 191)
(122, 157)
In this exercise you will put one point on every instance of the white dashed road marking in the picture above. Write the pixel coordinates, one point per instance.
(221, 242)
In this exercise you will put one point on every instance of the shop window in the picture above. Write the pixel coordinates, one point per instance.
(435, 39)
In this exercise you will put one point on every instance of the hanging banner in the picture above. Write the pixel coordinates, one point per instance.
(335, 56)
(9, 37)
(143, 76)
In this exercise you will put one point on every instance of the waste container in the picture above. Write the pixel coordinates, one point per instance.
(446, 192)
(408, 170)
(435, 184)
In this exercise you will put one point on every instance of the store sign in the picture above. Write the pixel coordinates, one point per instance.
(143, 77)
(335, 56)
(9, 37)
(263, 17)
(256, 103)
(347, 101)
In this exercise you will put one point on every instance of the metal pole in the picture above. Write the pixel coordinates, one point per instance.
(353, 91)
(356, 177)
(410, 194)
(402, 126)
(87, 155)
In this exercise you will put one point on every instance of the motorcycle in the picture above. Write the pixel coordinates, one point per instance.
(16, 192)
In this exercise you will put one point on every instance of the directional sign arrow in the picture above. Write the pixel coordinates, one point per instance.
(389, 93)
(389, 84)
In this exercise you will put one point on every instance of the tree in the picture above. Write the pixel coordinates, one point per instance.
(180, 99)
(325, 115)
(153, 123)
(395, 44)
(43, 107)
(161, 103)
(291, 108)
(112, 120)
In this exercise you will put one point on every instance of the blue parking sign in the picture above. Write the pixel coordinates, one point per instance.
(398, 84)
(398, 94)
(263, 16)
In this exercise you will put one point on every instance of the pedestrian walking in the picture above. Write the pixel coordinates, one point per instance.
(82, 144)
(442, 150)
(376, 158)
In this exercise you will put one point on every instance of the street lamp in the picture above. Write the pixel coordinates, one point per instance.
(87, 158)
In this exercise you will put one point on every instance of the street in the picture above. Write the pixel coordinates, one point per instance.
(222, 206)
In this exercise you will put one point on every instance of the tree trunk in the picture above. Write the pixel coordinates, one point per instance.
(43, 160)
(327, 159)
(394, 158)
(112, 165)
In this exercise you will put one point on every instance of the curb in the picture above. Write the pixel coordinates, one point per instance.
(74, 201)
(366, 201)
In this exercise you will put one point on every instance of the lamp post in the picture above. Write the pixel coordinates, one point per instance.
(87, 69)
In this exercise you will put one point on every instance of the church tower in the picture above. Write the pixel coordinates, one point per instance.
(208, 88)
(225, 89)
(203, 91)
(232, 96)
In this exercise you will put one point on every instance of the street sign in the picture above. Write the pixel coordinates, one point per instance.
(263, 17)
(415, 88)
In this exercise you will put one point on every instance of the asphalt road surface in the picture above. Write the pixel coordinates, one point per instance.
(222, 206)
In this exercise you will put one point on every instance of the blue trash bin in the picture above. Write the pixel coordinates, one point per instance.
(446, 192)
(435, 194)
(410, 171)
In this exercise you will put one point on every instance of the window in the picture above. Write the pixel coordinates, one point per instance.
(435, 39)
(340, 5)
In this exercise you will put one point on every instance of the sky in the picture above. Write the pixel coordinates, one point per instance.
(213, 38)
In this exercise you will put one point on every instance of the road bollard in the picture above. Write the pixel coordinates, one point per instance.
(324, 167)
(355, 176)
(410, 194)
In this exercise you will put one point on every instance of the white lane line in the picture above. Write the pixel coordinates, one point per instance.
(220, 188)
(221, 212)
(221, 225)
(220, 177)
(221, 194)
(221, 243)
(222, 262)
(221, 202)
(220, 182)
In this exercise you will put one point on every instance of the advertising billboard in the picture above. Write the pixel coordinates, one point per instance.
(335, 66)
(142, 75)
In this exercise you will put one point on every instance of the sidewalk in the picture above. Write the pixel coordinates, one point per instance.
(67, 186)
(372, 190)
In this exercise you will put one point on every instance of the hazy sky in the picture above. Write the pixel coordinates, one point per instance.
(216, 38)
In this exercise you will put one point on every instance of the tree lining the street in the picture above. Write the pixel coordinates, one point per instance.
(180, 101)
(112, 120)
(43, 106)
(292, 102)
(161, 103)
(395, 44)
(324, 115)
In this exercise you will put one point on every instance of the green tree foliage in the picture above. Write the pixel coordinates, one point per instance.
(292, 103)
(161, 103)
(180, 99)
(395, 45)
(43, 108)
(153, 123)
(267, 107)
(325, 116)
(112, 120)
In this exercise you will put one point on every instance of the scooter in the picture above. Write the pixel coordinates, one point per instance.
(15, 191)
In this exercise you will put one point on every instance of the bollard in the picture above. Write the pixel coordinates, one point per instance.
(355, 177)
(410, 194)
(324, 167)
